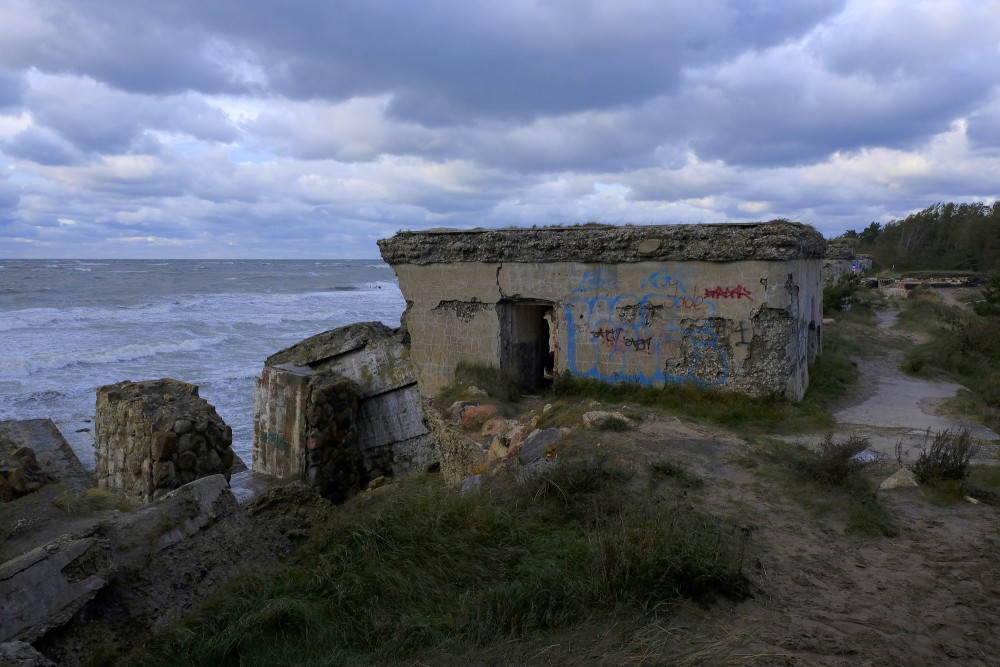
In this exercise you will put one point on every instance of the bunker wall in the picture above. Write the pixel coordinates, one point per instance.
(747, 326)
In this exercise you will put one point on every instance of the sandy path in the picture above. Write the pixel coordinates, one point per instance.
(895, 408)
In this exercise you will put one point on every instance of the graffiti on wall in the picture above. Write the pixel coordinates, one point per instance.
(666, 333)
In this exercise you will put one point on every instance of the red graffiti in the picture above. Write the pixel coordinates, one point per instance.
(737, 292)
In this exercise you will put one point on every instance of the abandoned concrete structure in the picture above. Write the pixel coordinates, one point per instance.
(841, 259)
(340, 409)
(732, 306)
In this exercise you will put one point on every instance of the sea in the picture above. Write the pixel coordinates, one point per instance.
(70, 326)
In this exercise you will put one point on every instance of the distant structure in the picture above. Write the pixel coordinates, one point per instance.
(732, 306)
(842, 259)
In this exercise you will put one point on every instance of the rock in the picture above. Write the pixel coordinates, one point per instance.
(472, 416)
(598, 417)
(21, 654)
(497, 450)
(164, 444)
(454, 412)
(534, 470)
(471, 483)
(498, 426)
(536, 445)
(901, 479)
(45, 587)
(460, 456)
(476, 392)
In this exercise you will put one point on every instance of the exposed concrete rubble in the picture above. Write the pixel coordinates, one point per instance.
(156, 435)
(341, 409)
(736, 307)
(122, 576)
(45, 587)
(33, 453)
(22, 654)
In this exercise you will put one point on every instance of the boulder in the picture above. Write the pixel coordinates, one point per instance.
(901, 479)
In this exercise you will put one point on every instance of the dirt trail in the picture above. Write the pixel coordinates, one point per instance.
(897, 408)
(928, 596)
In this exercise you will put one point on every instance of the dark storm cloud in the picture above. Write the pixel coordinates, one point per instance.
(96, 118)
(447, 61)
(229, 126)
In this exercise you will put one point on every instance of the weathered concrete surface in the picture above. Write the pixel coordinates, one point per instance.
(734, 307)
(776, 240)
(392, 439)
(45, 587)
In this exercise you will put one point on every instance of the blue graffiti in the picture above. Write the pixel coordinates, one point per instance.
(601, 279)
(664, 335)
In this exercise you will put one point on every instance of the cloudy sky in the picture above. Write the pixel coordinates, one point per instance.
(257, 128)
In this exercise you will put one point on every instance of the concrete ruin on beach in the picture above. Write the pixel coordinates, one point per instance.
(731, 306)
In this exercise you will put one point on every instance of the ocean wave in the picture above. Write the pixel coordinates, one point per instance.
(21, 366)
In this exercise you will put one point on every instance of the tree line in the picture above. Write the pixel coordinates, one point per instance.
(946, 237)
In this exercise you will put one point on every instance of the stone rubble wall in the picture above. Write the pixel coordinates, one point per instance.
(154, 436)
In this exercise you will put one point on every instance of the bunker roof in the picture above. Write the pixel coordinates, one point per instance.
(777, 240)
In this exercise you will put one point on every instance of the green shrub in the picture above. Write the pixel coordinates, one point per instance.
(840, 294)
(835, 462)
(947, 458)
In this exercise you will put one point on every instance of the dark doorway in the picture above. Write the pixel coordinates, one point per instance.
(525, 342)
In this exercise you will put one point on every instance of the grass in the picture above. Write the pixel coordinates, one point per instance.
(962, 346)
(90, 501)
(827, 480)
(729, 410)
(424, 569)
(502, 388)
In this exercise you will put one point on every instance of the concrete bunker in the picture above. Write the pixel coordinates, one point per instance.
(340, 409)
(732, 306)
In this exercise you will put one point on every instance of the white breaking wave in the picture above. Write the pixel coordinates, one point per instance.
(23, 366)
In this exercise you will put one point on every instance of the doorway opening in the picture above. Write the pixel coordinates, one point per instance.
(527, 341)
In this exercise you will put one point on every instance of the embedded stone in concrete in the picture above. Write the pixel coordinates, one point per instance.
(153, 436)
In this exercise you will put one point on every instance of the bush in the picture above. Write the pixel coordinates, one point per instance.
(947, 459)
(990, 305)
(836, 462)
(839, 295)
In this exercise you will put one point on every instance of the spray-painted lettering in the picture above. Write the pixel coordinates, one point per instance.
(735, 292)
(668, 333)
